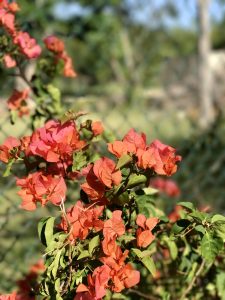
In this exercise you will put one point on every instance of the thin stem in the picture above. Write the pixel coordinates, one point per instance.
(190, 286)
(145, 296)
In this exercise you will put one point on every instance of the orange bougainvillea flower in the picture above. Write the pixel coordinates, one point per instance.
(9, 149)
(82, 219)
(144, 233)
(114, 227)
(131, 142)
(18, 102)
(166, 186)
(157, 156)
(97, 128)
(12, 296)
(122, 275)
(68, 69)
(105, 170)
(97, 285)
(54, 44)
(38, 187)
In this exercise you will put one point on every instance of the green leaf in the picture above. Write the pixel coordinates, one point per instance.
(79, 161)
(141, 254)
(148, 262)
(55, 94)
(84, 254)
(187, 205)
(126, 238)
(220, 285)
(211, 246)
(123, 161)
(8, 167)
(135, 180)
(150, 191)
(56, 264)
(94, 243)
(49, 228)
(199, 216)
(45, 230)
(172, 247)
(218, 218)
(200, 228)
(180, 225)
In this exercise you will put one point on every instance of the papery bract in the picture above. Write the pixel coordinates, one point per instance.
(105, 170)
(144, 234)
(166, 186)
(54, 44)
(9, 149)
(56, 142)
(27, 45)
(9, 61)
(17, 102)
(97, 128)
(38, 187)
(81, 220)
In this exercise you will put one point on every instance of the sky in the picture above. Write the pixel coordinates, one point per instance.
(186, 9)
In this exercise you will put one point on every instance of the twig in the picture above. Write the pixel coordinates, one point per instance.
(190, 286)
(145, 296)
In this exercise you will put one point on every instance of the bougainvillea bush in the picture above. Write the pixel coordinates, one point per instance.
(114, 241)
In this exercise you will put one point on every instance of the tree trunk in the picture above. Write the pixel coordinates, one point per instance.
(205, 78)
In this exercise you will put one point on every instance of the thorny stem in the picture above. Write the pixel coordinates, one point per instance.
(190, 286)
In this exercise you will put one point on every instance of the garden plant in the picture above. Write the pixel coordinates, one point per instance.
(115, 241)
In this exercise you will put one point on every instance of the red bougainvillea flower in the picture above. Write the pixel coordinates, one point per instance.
(82, 218)
(38, 187)
(18, 102)
(101, 175)
(27, 45)
(144, 234)
(93, 187)
(166, 186)
(9, 149)
(54, 44)
(97, 128)
(9, 61)
(97, 285)
(105, 170)
(131, 142)
(56, 142)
